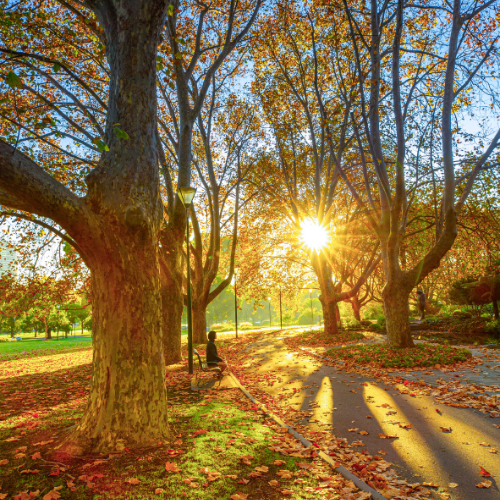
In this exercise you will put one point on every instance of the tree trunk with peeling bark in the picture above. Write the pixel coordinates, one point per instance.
(356, 307)
(172, 303)
(199, 323)
(330, 320)
(116, 228)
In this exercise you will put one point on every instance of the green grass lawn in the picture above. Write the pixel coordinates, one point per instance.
(15, 350)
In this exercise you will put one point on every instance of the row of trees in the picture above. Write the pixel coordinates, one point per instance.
(351, 115)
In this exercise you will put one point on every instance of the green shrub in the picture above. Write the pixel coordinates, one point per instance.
(353, 324)
(381, 321)
(493, 327)
(373, 311)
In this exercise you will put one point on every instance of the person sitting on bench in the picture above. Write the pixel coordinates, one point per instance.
(212, 356)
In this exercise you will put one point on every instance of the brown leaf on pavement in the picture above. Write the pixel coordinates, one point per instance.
(484, 484)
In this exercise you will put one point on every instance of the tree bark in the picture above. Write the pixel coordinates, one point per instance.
(395, 296)
(127, 405)
(127, 401)
(199, 324)
(330, 308)
(356, 308)
(172, 302)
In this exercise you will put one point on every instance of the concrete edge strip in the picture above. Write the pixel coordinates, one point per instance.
(340, 469)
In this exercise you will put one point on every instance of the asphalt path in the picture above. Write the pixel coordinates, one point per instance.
(342, 401)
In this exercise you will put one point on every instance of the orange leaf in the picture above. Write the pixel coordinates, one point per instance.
(171, 467)
(4, 462)
(52, 495)
(133, 480)
(36, 456)
(239, 496)
(484, 484)
(159, 491)
(445, 429)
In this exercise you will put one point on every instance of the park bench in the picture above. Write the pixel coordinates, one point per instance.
(205, 368)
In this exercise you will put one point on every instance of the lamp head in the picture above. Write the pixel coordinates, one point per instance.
(269, 298)
(186, 194)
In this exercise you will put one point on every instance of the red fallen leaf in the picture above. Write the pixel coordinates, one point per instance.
(27, 495)
(28, 471)
(4, 462)
(406, 426)
(445, 429)
(55, 472)
(36, 455)
(159, 491)
(200, 432)
(484, 472)
(133, 480)
(438, 411)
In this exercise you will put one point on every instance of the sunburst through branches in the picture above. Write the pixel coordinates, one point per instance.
(313, 234)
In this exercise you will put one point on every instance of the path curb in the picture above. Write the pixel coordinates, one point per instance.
(360, 484)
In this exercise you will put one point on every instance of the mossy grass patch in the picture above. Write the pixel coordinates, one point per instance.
(383, 356)
(318, 338)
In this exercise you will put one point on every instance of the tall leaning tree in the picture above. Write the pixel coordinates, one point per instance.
(424, 71)
(115, 217)
(307, 98)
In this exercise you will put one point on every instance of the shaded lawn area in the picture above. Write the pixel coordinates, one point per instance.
(222, 446)
(41, 347)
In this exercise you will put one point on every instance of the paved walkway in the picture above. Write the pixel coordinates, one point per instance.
(347, 404)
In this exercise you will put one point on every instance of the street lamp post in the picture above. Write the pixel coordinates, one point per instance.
(281, 315)
(269, 299)
(310, 298)
(186, 194)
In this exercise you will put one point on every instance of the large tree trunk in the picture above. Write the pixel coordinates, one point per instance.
(127, 401)
(330, 308)
(397, 317)
(119, 234)
(199, 323)
(356, 308)
(172, 303)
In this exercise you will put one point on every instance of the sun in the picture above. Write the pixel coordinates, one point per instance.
(313, 234)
